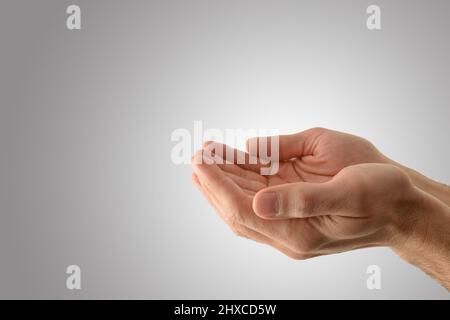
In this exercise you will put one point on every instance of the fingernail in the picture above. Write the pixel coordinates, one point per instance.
(267, 204)
(208, 159)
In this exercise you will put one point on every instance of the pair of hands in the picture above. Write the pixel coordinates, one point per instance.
(333, 192)
(322, 199)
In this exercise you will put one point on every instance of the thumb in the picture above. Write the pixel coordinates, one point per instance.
(299, 200)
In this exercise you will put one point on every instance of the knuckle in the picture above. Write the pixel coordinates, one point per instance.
(355, 187)
(237, 218)
(298, 256)
(301, 246)
(305, 204)
(307, 244)
(236, 227)
(238, 232)
(234, 215)
(317, 130)
(207, 143)
(241, 232)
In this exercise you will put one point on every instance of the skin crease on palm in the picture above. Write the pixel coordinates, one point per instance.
(333, 192)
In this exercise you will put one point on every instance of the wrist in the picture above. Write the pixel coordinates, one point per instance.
(410, 223)
(423, 238)
(438, 190)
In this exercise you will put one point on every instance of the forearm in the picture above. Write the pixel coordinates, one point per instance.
(425, 240)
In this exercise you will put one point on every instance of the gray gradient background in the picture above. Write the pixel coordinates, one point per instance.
(86, 118)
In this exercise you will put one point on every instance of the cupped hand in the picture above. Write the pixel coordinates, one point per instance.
(315, 205)
(317, 154)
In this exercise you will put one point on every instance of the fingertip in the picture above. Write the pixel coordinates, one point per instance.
(196, 180)
(207, 143)
(247, 143)
(266, 204)
(197, 158)
(250, 145)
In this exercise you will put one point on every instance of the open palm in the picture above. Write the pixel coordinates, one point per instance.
(314, 155)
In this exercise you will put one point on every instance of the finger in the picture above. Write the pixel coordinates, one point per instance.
(230, 155)
(258, 237)
(196, 180)
(235, 208)
(211, 199)
(214, 179)
(214, 202)
(300, 200)
(350, 245)
(249, 233)
(289, 146)
(243, 173)
(250, 185)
